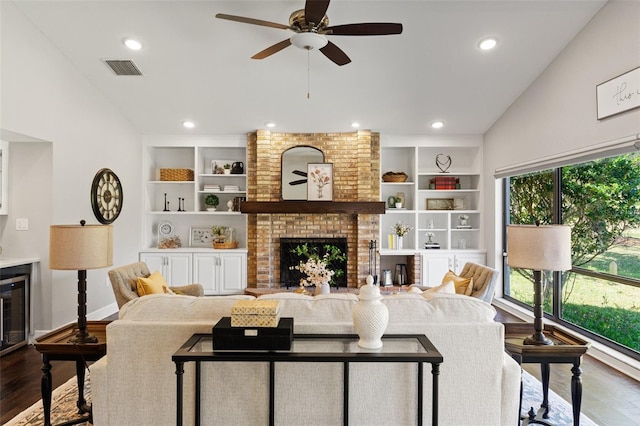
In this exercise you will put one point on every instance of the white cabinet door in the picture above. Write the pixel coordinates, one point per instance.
(233, 273)
(154, 261)
(179, 269)
(174, 267)
(221, 273)
(205, 271)
(434, 266)
(460, 259)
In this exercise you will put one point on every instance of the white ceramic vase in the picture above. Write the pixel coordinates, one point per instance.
(323, 289)
(370, 316)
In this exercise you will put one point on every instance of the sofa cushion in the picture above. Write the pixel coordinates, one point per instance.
(332, 307)
(164, 307)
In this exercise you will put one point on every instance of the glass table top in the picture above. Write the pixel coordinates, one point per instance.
(332, 344)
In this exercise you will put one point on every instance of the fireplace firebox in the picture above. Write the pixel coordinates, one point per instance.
(288, 258)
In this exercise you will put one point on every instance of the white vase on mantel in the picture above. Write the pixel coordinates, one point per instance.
(370, 316)
(323, 289)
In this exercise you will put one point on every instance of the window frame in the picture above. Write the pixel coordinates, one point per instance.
(556, 315)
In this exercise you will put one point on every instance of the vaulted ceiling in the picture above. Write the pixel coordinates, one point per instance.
(199, 68)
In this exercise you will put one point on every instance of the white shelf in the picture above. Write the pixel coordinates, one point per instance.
(417, 160)
(196, 154)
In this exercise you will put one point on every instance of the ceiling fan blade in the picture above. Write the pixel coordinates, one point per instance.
(314, 10)
(298, 182)
(364, 29)
(299, 173)
(336, 54)
(272, 49)
(252, 21)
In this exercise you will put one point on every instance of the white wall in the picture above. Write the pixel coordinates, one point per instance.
(44, 97)
(557, 113)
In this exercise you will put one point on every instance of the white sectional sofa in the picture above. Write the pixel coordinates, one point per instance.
(135, 383)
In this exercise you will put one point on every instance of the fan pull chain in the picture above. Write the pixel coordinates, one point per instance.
(308, 95)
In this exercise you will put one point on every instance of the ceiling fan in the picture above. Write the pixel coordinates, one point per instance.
(311, 26)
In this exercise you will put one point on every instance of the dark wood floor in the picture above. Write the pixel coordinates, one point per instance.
(609, 398)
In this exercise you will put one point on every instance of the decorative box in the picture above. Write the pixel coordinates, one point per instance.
(244, 320)
(255, 307)
(226, 337)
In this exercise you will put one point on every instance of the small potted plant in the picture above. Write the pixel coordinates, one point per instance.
(227, 169)
(211, 201)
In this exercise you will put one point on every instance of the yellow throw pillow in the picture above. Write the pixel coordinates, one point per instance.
(463, 285)
(153, 284)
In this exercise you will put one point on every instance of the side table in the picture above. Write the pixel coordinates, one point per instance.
(566, 349)
(55, 346)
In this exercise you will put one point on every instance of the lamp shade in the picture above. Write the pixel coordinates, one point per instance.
(77, 247)
(541, 248)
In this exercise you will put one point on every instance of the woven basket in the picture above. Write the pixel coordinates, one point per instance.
(176, 174)
(394, 177)
(231, 245)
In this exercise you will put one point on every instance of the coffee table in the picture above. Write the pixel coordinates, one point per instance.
(397, 348)
(55, 346)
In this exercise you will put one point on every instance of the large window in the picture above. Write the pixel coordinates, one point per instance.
(600, 200)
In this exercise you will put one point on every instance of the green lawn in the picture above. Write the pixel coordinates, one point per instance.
(609, 309)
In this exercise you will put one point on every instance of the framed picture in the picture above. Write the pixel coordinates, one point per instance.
(320, 182)
(620, 94)
(200, 237)
(439, 203)
(218, 167)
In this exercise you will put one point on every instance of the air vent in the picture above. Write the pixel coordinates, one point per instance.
(123, 66)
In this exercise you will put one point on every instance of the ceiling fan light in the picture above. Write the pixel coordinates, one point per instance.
(309, 41)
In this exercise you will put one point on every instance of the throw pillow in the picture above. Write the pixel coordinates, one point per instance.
(463, 285)
(448, 287)
(153, 284)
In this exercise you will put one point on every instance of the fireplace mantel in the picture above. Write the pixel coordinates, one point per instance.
(301, 206)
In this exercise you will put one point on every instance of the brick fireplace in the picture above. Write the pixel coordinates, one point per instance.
(356, 168)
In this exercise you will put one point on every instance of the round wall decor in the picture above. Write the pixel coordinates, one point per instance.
(106, 196)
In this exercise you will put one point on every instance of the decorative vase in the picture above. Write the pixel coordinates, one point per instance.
(323, 289)
(400, 244)
(370, 316)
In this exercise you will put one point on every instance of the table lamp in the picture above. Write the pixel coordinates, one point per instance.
(541, 248)
(81, 247)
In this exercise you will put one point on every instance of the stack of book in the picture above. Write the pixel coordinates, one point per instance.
(445, 182)
(231, 188)
(211, 187)
(255, 313)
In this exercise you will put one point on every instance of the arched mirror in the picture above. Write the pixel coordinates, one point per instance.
(293, 169)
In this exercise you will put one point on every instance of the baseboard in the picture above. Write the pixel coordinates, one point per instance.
(614, 359)
(103, 313)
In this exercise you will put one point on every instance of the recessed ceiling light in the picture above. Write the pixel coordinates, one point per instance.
(188, 124)
(437, 124)
(355, 124)
(270, 124)
(487, 43)
(133, 44)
